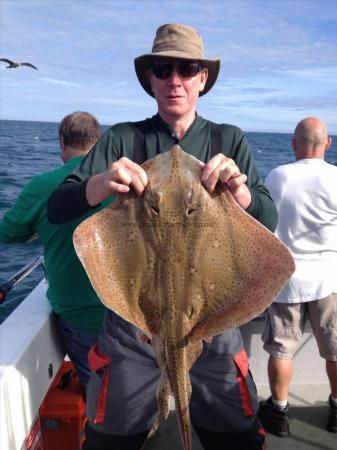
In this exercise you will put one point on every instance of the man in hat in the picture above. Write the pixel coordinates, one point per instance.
(121, 403)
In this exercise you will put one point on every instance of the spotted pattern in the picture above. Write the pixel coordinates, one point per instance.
(182, 265)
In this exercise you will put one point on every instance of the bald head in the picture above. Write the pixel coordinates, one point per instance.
(311, 138)
(312, 130)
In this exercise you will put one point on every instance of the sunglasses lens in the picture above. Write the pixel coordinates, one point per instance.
(188, 69)
(162, 71)
(185, 69)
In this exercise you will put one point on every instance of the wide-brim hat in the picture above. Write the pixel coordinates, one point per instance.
(179, 42)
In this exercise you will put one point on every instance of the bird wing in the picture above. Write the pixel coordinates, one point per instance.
(7, 60)
(29, 65)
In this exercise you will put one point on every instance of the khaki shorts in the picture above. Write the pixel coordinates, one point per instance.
(285, 324)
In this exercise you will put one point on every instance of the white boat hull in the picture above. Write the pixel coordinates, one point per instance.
(30, 356)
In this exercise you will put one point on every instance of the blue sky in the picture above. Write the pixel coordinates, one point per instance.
(278, 59)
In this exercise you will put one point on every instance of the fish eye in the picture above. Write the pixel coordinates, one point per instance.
(155, 209)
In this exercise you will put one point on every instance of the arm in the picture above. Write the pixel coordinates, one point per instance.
(221, 169)
(123, 175)
(69, 202)
(239, 173)
(18, 224)
(72, 200)
(101, 174)
(262, 207)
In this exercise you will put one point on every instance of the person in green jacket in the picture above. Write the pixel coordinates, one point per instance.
(78, 311)
(121, 394)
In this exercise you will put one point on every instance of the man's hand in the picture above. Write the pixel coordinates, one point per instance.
(224, 170)
(123, 175)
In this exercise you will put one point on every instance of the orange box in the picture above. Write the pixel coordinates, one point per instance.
(62, 411)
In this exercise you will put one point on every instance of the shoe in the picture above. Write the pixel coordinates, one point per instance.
(274, 421)
(332, 417)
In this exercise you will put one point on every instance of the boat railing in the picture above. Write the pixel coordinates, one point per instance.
(19, 276)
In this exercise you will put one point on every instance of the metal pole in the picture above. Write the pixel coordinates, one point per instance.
(20, 275)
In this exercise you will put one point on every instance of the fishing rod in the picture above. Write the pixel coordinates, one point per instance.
(20, 275)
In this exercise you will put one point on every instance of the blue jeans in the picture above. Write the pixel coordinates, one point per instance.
(77, 344)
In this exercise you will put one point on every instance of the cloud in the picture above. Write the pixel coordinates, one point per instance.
(319, 74)
(299, 103)
(114, 102)
(274, 55)
(61, 82)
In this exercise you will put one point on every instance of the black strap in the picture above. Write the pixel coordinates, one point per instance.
(139, 154)
(215, 139)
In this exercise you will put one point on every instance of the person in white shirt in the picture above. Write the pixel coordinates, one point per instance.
(305, 194)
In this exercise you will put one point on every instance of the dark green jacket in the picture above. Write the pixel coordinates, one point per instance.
(69, 201)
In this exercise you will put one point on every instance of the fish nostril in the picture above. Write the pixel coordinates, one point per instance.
(190, 211)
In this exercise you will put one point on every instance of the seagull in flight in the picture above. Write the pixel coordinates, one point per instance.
(13, 65)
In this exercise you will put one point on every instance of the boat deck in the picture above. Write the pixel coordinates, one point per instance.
(307, 427)
(29, 350)
(308, 395)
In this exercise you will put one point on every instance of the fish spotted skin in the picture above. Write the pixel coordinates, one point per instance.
(182, 265)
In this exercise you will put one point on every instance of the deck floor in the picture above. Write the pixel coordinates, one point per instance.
(307, 428)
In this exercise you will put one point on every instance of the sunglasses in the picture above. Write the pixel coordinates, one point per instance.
(185, 69)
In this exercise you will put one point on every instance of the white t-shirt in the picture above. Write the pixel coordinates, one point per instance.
(305, 194)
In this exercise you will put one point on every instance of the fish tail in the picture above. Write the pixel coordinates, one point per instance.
(163, 397)
(181, 389)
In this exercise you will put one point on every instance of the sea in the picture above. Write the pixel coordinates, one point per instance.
(29, 148)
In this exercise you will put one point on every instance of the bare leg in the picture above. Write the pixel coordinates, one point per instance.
(274, 417)
(331, 370)
(280, 372)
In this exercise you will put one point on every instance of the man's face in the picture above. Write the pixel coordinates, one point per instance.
(176, 85)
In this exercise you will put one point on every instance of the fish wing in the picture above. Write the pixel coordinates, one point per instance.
(182, 265)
